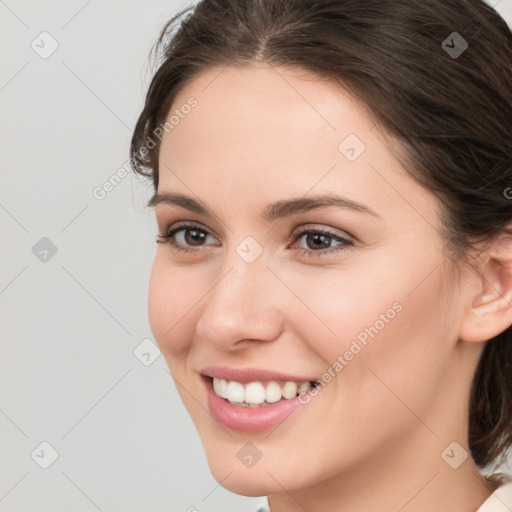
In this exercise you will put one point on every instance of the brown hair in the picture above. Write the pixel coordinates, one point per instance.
(450, 109)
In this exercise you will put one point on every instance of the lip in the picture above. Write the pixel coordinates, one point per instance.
(247, 419)
(245, 375)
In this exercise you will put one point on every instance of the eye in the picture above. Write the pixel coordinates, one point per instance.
(190, 237)
(321, 239)
(192, 234)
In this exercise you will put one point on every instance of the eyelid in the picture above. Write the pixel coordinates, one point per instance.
(184, 225)
(334, 232)
(346, 241)
(174, 226)
(190, 224)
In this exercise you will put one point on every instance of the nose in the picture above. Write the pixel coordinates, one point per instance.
(242, 306)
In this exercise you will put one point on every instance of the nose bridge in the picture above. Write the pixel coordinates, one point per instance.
(241, 303)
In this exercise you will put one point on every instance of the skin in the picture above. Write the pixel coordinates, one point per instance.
(262, 134)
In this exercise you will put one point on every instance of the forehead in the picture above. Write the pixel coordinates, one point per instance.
(265, 114)
(281, 132)
(260, 95)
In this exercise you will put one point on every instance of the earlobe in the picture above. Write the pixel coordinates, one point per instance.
(490, 311)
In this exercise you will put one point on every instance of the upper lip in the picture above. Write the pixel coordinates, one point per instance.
(244, 375)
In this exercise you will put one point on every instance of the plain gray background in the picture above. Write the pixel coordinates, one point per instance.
(74, 273)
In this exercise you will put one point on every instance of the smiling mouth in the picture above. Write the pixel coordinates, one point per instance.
(259, 393)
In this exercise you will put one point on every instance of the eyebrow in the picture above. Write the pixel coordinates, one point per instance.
(279, 209)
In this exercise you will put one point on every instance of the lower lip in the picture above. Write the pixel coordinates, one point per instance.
(249, 419)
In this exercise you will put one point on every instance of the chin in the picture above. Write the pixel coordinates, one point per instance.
(267, 476)
(245, 482)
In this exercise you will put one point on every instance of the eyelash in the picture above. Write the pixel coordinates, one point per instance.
(344, 245)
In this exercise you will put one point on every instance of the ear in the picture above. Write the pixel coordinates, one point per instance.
(490, 307)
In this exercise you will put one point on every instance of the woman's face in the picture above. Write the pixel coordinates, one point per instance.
(364, 312)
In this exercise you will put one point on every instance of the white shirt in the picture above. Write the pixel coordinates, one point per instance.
(499, 501)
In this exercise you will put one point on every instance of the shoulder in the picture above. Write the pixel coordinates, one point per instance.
(501, 499)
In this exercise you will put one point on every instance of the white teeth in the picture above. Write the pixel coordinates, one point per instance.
(221, 387)
(235, 391)
(303, 387)
(255, 394)
(289, 390)
(273, 392)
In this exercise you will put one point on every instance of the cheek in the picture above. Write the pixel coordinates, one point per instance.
(373, 298)
(394, 341)
(171, 298)
(342, 306)
(396, 323)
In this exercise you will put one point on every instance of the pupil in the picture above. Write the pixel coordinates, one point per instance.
(196, 236)
(318, 237)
